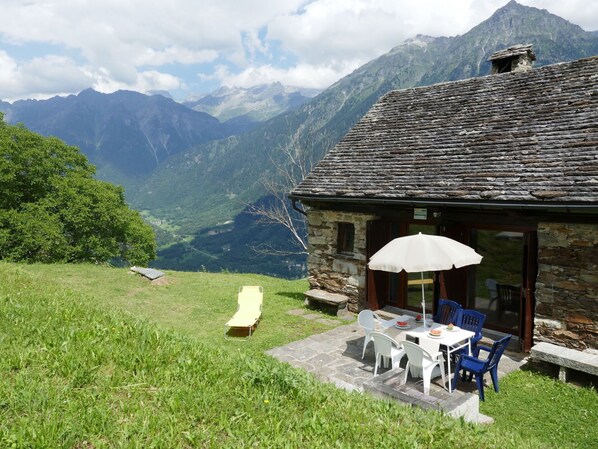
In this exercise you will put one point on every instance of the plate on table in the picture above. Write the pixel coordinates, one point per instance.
(402, 325)
(434, 336)
(454, 329)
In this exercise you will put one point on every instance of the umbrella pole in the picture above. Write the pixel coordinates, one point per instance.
(423, 300)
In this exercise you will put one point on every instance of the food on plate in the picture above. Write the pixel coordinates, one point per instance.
(435, 332)
(418, 317)
(402, 323)
(450, 326)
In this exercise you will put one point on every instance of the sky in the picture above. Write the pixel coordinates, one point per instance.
(192, 47)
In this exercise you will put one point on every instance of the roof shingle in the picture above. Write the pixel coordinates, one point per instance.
(530, 137)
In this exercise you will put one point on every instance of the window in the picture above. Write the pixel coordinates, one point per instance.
(345, 238)
(499, 279)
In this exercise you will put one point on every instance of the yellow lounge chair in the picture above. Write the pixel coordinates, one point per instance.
(249, 309)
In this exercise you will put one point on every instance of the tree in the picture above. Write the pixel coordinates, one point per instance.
(53, 210)
(293, 166)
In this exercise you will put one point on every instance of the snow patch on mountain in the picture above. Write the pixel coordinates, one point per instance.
(258, 103)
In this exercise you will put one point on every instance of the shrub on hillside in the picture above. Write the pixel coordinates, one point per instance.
(53, 210)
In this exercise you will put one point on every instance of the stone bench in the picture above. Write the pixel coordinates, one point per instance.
(332, 302)
(566, 358)
(149, 273)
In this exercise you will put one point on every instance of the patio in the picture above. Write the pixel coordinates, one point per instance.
(335, 356)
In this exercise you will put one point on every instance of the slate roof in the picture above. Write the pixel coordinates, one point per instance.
(528, 137)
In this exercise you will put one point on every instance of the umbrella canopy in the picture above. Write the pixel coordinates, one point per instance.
(423, 252)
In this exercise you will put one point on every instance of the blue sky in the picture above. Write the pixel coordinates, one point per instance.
(192, 47)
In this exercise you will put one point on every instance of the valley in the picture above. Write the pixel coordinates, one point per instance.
(193, 175)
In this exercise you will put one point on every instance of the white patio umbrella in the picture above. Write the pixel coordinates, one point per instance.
(423, 252)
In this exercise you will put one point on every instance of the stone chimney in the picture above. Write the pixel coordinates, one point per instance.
(517, 58)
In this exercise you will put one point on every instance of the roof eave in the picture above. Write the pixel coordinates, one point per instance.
(475, 204)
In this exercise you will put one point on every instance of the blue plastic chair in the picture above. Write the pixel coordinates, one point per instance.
(448, 312)
(472, 320)
(478, 367)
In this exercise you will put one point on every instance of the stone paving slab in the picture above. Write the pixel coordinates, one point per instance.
(326, 321)
(149, 273)
(334, 356)
(297, 312)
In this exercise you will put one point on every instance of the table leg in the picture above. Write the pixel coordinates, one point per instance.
(448, 363)
(449, 352)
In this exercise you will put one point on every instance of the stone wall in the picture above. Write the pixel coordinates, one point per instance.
(333, 272)
(567, 285)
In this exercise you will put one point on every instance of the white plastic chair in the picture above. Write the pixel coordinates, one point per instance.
(386, 349)
(367, 320)
(423, 364)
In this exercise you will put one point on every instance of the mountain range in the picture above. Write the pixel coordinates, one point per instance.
(255, 104)
(196, 193)
(125, 134)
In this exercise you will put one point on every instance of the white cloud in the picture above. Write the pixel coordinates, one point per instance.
(302, 75)
(40, 78)
(130, 44)
(580, 12)
(149, 80)
(120, 40)
(358, 29)
(171, 55)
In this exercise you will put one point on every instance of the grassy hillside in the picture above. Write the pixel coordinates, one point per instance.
(89, 358)
(194, 304)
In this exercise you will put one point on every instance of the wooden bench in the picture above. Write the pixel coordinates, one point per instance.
(334, 303)
(566, 358)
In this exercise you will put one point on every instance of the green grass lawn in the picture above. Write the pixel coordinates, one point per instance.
(194, 304)
(558, 414)
(95, 357)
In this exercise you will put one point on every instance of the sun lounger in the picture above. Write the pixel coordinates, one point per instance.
(249, 310)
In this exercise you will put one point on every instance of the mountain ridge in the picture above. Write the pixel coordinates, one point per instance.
(257, 103)
(126, 134)
(321, 122)
(318, 124)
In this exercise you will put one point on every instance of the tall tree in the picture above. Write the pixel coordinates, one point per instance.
(52, 209)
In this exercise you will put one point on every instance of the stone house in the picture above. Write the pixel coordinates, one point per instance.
(506, 163)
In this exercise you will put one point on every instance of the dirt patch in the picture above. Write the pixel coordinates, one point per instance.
(134, 292)
(162, 281)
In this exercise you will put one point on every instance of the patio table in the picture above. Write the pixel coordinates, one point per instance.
(452, 340)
